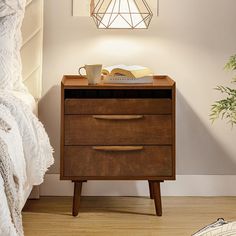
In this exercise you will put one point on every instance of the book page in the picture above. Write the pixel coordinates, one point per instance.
(110, 68)
(125, 67)
(135, 68)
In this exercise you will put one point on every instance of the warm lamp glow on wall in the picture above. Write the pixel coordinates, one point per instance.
(121, 14)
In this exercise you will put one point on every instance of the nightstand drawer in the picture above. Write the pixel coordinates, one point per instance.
(118, 129)
(119, 161)
(118, 106)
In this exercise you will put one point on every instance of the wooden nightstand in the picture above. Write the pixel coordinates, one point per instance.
(118, 132)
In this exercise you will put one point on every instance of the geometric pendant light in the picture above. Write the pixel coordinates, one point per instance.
(122, 14)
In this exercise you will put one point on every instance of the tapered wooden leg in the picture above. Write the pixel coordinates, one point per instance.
(76, 198)
(150, 188)
(157, 197)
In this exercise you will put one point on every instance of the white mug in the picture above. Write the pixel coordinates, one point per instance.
(93, 73)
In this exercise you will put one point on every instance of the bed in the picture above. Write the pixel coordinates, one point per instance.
(30, 101)
(25, 150)
(31, 55)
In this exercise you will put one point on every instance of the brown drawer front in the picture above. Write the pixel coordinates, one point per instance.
(117, 129)
(145, 161)
(118, 106)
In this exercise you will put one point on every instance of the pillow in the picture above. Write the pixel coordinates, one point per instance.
(8, 7)
(12, 13)
(6, 51)
(17, 65)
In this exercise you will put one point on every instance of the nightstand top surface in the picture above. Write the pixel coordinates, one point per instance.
(75, 81)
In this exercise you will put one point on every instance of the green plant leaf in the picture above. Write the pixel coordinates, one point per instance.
(226, 108)
(231, 65)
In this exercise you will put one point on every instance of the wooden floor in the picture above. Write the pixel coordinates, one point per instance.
(121, 216)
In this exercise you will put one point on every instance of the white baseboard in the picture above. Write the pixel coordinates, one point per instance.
(185, 185)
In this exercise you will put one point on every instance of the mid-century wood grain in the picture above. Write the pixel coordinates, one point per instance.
(147, 162)
(150, 189)
(118, 131)
(76, 199)
(118, 106)
(156, 194)
(173, 131)
(62, 131)
(75, 81)
(89, 130)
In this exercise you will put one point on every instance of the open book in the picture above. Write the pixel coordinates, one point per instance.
(127, 74)
(128, 71)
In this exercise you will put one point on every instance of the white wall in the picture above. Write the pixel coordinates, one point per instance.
(190, 41)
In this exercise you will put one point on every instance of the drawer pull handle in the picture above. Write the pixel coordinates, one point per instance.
(118, 148)
(118, 117)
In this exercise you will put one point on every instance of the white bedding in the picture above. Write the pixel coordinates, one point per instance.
(30, 101)
(30, 153)
(25, 150)
(27, 99)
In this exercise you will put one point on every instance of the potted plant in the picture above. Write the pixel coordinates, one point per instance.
(226, 108)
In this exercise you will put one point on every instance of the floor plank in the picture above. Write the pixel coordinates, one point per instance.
(131, 216)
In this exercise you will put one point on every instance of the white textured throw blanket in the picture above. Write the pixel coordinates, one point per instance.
(25, 155)
(218, 228)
